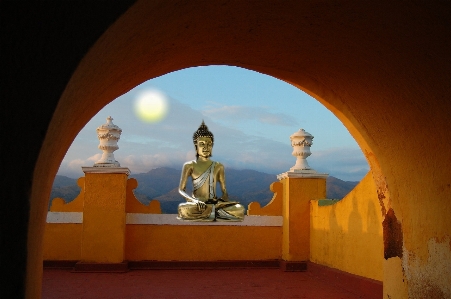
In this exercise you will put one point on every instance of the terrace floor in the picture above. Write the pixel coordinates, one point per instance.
(317, 282)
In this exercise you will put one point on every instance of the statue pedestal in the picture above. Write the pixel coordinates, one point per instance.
(103, 233)
(297, 193)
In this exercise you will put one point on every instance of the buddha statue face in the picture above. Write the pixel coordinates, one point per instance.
(203, 141)
(204, 147)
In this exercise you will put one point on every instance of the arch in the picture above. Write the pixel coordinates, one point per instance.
(381, 68)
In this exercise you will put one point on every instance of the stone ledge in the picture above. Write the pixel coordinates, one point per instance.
(100, 169)
(302, 174)
(167, 219)
(64, 217)
(171, 219)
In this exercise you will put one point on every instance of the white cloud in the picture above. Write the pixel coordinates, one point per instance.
(348, 164)
(75, 163)
(94, 158)
(247, 113)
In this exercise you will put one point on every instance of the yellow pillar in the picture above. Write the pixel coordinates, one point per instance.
(103, 234)
(297, 193)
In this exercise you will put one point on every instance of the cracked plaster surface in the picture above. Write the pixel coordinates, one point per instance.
(430, 279)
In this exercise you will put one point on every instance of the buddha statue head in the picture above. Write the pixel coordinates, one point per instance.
(203, 141)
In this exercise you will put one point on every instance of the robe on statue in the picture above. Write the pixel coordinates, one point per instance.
(219, 210)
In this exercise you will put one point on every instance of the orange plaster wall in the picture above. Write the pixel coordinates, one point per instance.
(104, 217)
(296, 218)
(202, 243)
(62, 241)
(274, 207)
(348, 235)
(133, 205)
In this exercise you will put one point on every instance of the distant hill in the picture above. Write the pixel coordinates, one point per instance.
(162, 183)
(64, 181)
(157, 181)
(337, 189)
(64, 187)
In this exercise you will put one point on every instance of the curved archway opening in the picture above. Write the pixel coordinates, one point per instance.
(243, 106)
(256, 122)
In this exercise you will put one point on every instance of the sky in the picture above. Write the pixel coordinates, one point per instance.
(251, 115)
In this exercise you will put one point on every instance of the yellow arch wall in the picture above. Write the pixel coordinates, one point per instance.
(382, 68)
(348, 234)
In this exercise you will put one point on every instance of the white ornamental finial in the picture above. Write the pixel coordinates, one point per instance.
(301, 141)
(108, 135)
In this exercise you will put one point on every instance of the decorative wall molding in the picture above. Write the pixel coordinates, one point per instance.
(301, 141)
(106, 169)
(167, 219)
(64, 217)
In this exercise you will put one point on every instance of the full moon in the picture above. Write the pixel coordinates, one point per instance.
(151, 106)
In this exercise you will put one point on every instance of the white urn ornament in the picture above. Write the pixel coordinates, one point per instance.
(301, 141)
(108, 134)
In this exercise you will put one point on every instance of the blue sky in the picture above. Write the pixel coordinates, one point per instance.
(250, 114)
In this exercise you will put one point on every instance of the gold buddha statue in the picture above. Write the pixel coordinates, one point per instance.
(204, 205)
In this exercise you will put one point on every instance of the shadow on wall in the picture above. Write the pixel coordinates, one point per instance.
(347, 235)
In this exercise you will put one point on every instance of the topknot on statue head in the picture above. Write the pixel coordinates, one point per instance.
(202, 131)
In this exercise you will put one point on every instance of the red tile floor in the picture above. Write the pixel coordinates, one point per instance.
(226, 283)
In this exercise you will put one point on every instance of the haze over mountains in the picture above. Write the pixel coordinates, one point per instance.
(162, 183)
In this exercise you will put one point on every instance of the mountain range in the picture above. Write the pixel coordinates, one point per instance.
(162, 183)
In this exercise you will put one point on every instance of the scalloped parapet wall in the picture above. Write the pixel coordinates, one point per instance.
(273, 208)
(133, 205)
(59, 204)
